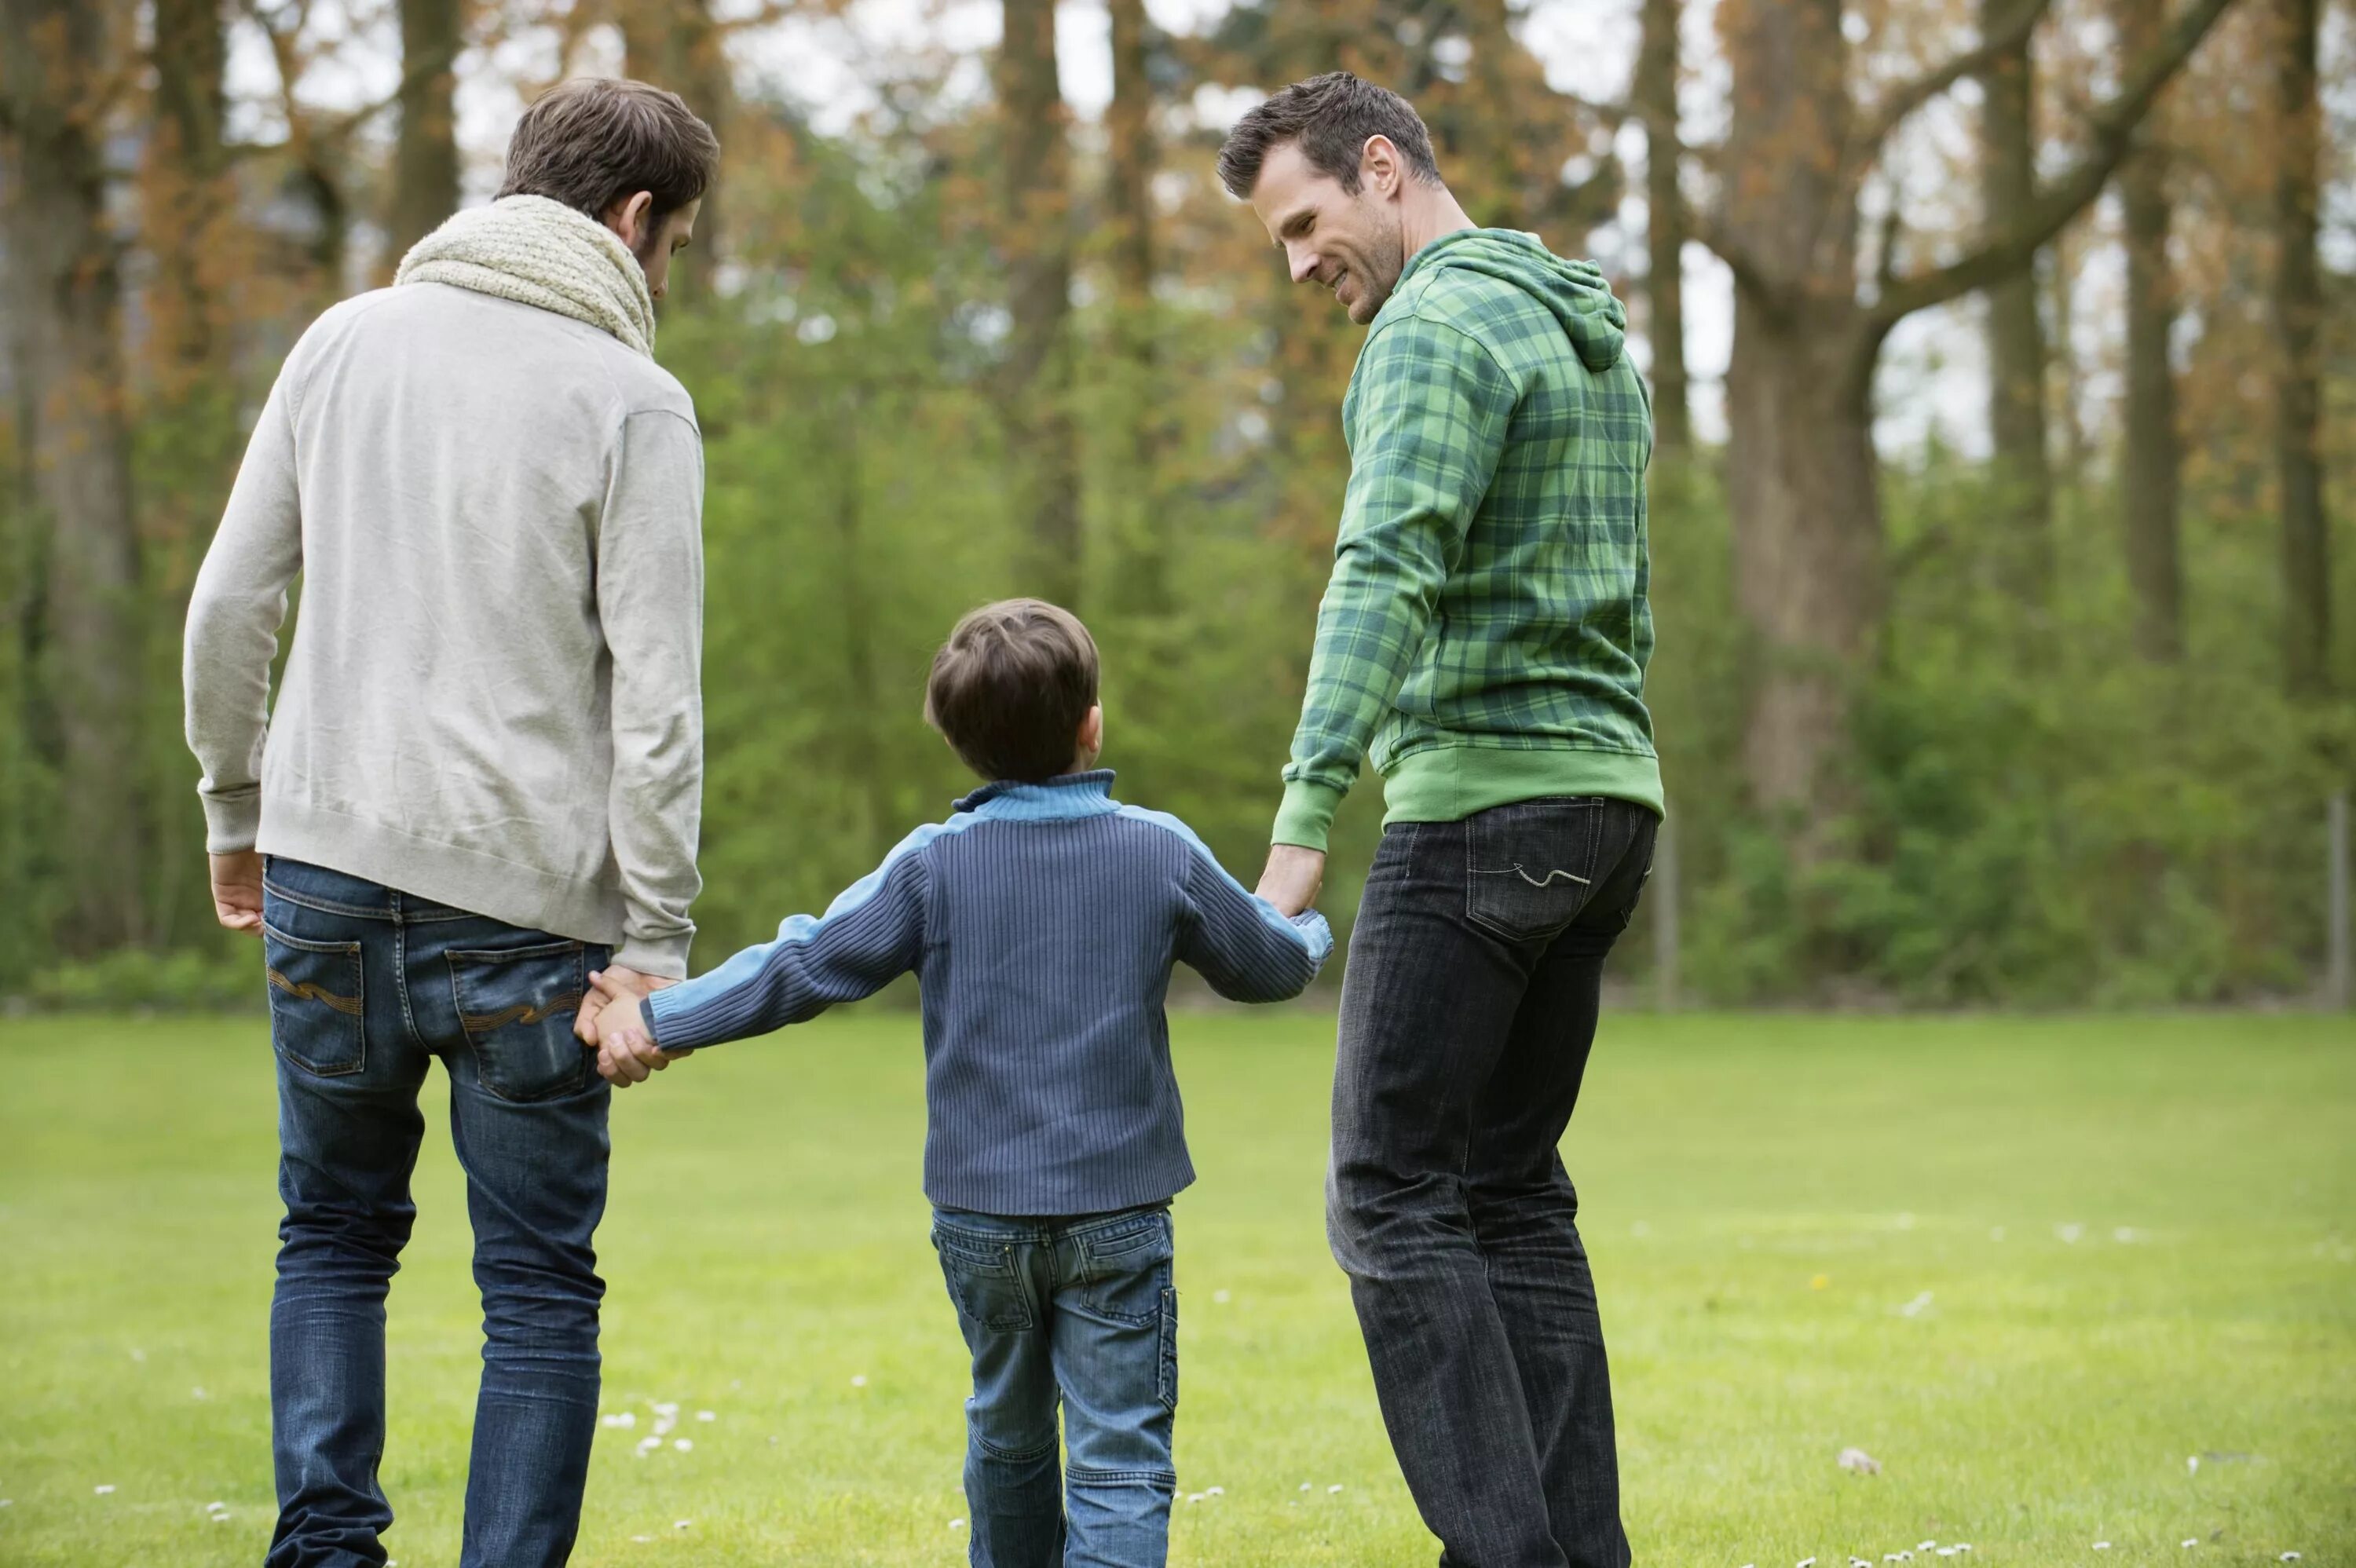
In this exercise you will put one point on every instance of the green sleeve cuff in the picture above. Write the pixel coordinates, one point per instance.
(1306, 814)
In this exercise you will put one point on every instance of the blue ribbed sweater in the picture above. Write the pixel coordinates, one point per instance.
(1042, 920)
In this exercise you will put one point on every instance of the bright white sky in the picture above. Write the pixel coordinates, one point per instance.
(1933, 367)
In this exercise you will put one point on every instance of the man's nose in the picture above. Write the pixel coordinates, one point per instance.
(1304, 261)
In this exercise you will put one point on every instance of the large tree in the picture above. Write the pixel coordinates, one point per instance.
(1141, 565)
(2016, 337)
(1809, 546)
(2298, 320)
(679, 45)
(1034, 235)
(1655, 101)
(426, 157)
(2151, 460)
(58, 81)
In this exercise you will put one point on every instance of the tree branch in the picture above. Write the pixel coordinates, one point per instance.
(1749, 275)
(1901, 102)
(2001, 255)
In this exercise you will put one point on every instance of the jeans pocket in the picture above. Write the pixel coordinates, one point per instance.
(983, 1281)
(316, 1019)
(1126, 1268)
(1530, 868)
(1166, 1383)
(517, 1006)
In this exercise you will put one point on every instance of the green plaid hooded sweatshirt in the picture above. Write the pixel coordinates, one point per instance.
(1484, 634)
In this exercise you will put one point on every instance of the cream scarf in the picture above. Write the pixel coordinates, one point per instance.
(540, 253)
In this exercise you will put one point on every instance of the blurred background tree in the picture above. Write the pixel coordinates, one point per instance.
(2002, 363)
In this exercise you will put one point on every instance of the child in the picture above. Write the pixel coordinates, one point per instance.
(1042, 920)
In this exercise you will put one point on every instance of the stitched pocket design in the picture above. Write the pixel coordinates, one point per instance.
(318, 1012)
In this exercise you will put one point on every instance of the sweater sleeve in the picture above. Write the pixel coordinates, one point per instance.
(871, 934)
(650, 605)
(1431, 408)
(235, 610)
(1240, 943)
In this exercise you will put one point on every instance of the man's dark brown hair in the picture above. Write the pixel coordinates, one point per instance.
(1011, 687)
(593, 141)
(1331, 116)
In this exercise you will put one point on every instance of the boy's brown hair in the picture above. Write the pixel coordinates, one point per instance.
(593, 141)
(1011, 687)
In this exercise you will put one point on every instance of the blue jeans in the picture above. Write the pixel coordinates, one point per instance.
(1475, 978)
(366, 985)
(1079, 1309)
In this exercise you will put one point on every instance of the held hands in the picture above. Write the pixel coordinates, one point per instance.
(1293, 877)
(606, 987)
(626, 1054)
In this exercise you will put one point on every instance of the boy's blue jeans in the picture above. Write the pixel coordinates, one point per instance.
(1081, 1309)
(366, 986)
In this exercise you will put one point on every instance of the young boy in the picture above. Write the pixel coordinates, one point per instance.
(1042, 920)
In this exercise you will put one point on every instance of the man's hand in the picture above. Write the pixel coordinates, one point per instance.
(1293, 877)
(608, 986)
(236, 891)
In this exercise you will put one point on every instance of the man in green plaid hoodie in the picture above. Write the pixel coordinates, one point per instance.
(1483, 639)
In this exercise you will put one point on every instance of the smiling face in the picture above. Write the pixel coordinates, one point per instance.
(1348, 242)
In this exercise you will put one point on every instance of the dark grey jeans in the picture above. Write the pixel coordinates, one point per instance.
(1467, 1015)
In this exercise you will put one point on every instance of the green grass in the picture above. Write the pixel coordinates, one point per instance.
(1763, 1197)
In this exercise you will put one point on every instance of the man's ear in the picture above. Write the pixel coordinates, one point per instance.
(1378, 165)
(629, 218)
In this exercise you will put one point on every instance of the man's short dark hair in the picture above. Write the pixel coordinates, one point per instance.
(1011, 687)
(593, 141)
(1331, 116)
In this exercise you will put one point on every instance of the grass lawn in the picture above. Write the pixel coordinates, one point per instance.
(2032, 1267)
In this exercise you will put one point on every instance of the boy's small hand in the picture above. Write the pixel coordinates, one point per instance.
(626, 1056)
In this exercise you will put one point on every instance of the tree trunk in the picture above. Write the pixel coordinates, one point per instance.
(1810, 572)
(425, 159)
(1494, 190)
(1035, 238)
(183, 196)
(2297, 319)
(675, 44)
(1141, 566)
(2023, 548)
(2151, 460)
(1665, 229)
(64, 294)
(1799, 474)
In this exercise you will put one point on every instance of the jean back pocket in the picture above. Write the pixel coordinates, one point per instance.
(316, 1017)
(984, 1280)
(517, 1005)
(1530, 868)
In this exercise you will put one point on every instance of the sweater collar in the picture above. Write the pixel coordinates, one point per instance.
(1049, 800)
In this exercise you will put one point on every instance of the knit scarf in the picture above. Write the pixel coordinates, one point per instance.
(540, 253)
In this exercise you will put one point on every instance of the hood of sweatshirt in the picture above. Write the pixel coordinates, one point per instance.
(1592, 318)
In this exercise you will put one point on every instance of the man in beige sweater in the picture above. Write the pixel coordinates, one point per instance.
(478, 789)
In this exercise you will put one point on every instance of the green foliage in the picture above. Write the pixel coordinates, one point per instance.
(2034, 816)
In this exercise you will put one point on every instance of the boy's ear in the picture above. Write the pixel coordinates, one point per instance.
(1092, 729)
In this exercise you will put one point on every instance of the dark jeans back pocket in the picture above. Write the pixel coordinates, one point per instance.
(315, 1016)
(1530, 868)
(517, 1005)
